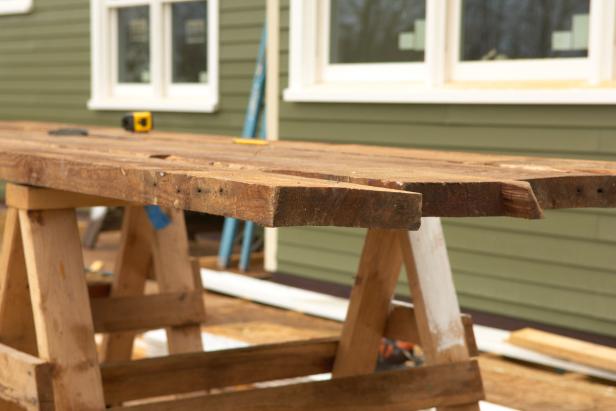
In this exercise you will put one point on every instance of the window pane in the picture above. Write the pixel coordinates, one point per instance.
(134, 44)
(377, 31)
(524, 29)
(189, 42)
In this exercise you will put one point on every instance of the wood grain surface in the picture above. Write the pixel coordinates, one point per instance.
(300, 183)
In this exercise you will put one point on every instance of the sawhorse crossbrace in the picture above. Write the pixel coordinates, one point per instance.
(47, 325)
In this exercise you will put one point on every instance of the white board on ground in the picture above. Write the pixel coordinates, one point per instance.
(488, 339)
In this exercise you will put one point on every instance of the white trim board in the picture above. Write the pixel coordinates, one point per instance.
(431, 82)
(15, 6)
(325, 306)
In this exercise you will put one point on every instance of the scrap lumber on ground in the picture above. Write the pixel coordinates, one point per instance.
(569, 349)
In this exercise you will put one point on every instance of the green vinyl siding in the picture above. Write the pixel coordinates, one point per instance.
(45, 67)
(561, 270)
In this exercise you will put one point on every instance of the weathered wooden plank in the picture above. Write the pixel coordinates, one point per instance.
(569, 349)
(266, 198)
(25, 380)
(402, 390)
(453, 184)
(147, 312)
(184, 373)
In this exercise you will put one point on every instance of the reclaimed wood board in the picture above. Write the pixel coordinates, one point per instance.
(566, 348)
(299, 183)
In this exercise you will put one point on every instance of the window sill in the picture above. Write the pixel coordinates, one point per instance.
(180, 106)
(15, 7)
(401, 93)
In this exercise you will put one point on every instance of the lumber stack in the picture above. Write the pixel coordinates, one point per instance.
(296, 183)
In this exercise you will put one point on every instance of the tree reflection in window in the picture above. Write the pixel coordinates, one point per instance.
(524, 29)
(377, 31)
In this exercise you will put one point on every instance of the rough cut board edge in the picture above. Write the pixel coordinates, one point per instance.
(566, 348)
(320, 203)
(26, 380)
(414, 388)
(488, 339)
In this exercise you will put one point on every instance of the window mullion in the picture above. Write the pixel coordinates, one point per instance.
(436, 43)
(602, 40)
(157, 50)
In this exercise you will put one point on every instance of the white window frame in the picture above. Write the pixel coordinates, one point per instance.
(357, 72)
(590, 80)
(15, 6)
(161, 94)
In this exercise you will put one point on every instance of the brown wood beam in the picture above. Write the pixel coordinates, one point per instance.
(147, 312)
(402, 390)
(25, 380)
(192, 372)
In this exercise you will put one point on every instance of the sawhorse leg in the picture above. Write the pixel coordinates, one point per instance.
(437, 312)
(133, 263)
(166, 252)
(16, 319)
(61, 307)
(439, 324)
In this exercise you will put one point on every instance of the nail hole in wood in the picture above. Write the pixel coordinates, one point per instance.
(160, 156)
(600, 190)
(220, 190)
(198, 190)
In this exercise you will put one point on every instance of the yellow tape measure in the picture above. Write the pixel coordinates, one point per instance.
(250, 141)
(138, 122)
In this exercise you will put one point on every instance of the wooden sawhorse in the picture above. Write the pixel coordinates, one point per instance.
(47, 322)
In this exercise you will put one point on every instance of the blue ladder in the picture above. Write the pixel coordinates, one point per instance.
(255, 113)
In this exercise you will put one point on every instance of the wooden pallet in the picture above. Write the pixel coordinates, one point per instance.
(47, 326)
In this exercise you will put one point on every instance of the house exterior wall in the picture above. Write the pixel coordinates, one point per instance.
(561, 270)
(45, 67)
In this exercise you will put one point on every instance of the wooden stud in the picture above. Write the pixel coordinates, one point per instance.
(147, 312)
(25, 197)
(567, 348)
(26, 381)
(133, 263)
(401, 390)
(174, 272)
(378, 273)
(16, 320)
(437, 312)
(193, 372)
(61, 307)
